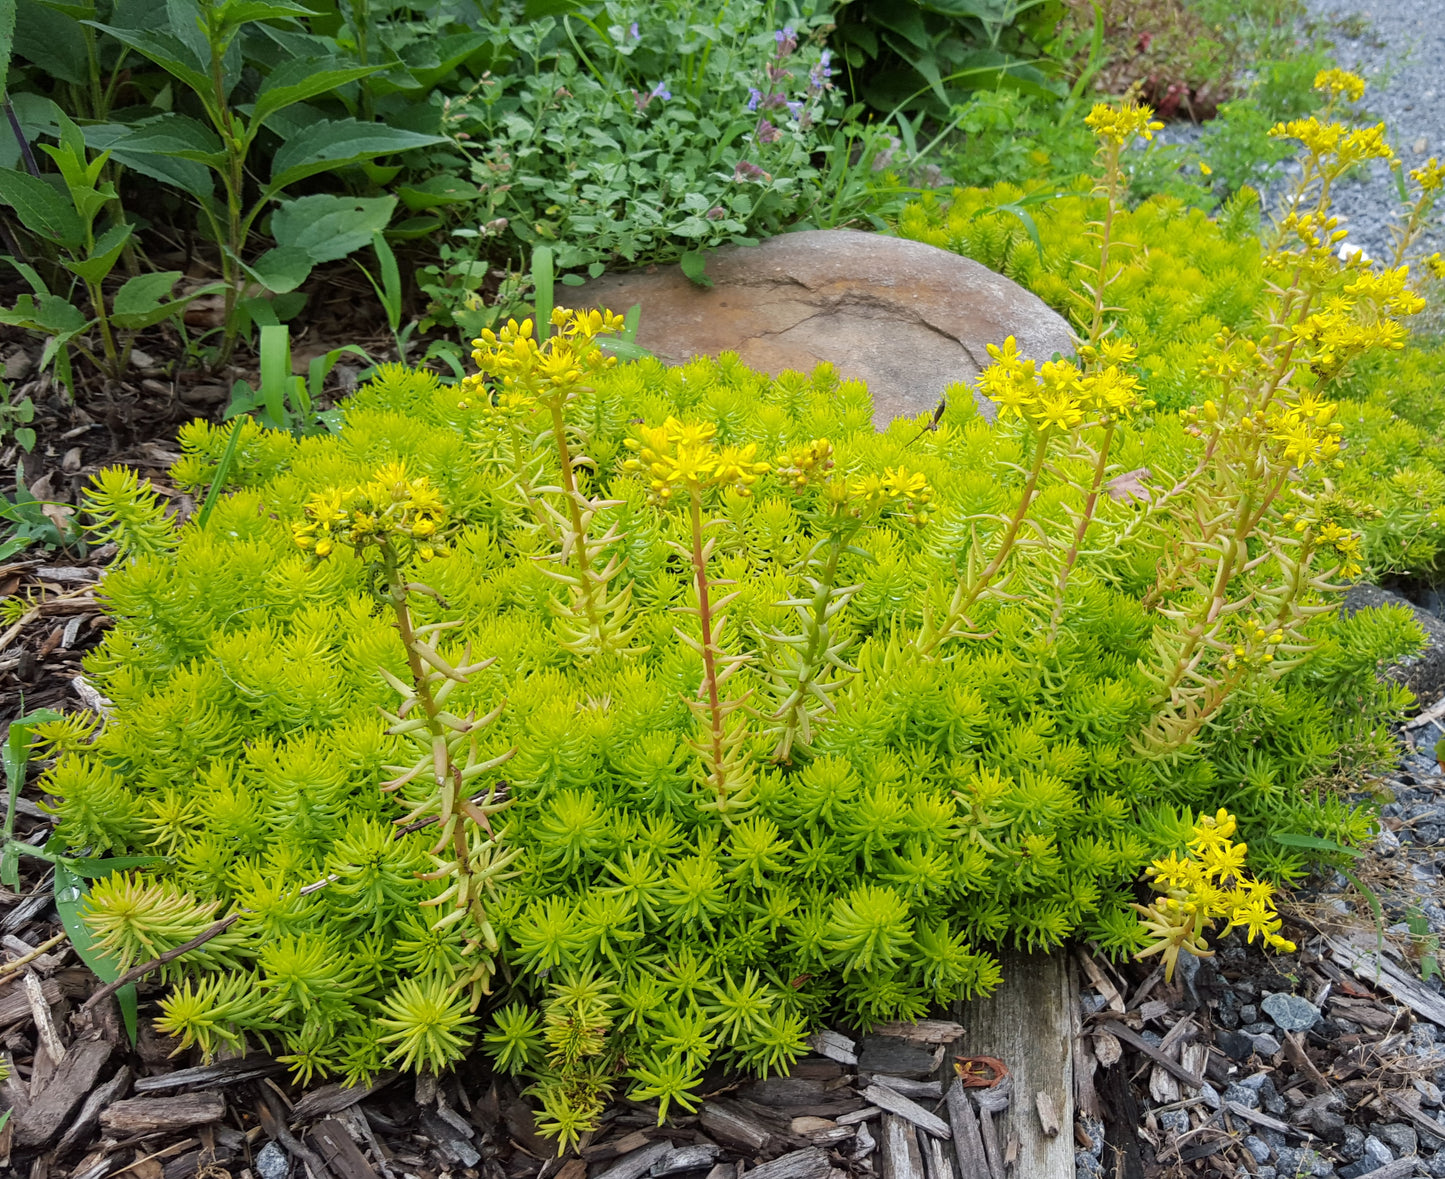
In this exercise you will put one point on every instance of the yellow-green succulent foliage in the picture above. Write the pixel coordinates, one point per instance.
(721, 715)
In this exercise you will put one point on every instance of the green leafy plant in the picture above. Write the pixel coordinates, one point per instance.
(66, 219)
(15, 419)
(923, 54)
(282, 400)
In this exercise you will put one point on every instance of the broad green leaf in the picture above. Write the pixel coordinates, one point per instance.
(70, 893)
(134, 320)
(104, 256)
(296, 81)
(282, 269)
(7, 38)
(694, 265)
(50, 314)
(92, 868)
(52, 41)
(74, 11)
(41, 208)
(168, 52)
(187, 175)
(336, 143)
(240, 12)
(330, 227)
(425, 63)
(436, 192)
(171, 135)
(144, 292)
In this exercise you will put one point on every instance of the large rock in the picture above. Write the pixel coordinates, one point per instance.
(906, 317)
(1424, 673)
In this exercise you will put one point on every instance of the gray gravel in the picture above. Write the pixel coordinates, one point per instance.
(1400, 51)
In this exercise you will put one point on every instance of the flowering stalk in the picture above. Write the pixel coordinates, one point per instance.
(389, 521)
(549, 376)
(676, 457)
(801, 661)
(1269, 431)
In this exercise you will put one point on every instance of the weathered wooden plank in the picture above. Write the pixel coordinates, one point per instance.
(1028, 1024)
(100, 1097)
(936, 1160)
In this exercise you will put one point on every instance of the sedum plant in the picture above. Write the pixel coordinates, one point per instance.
(932, 725)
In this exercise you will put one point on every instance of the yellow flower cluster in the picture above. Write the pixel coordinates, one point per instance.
(1340, 82)
(676, 455)
(1304, 430)
(1207, 885)
(1259, 642)
(526, 369)
(1344, 542)
(392, 507)
(1117, 125)
(1429, 176)
(1058, 394)
(897, 488)
(807, 463)
(1343, 147)
(1387, 290)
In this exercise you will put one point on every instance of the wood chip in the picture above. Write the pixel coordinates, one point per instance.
(638, 1162)
(731, 1125)
(834, 1046)
(925, 1031)
(902, 1158)
(687, 1158)
(895, 1103)
(70, 1085)
(1262, 1119)
(936, 1160)
(149, 1115)
(1048, 1114)
(101, 1097)
(967, 1140)
(1137, 1042)
(316, 1104)
(340, 1154)
(909, 1087)
(599, 1152)
(808, 1163)
(1100, 982)
(1360, 956)
(40, 1012)
(867, 1113)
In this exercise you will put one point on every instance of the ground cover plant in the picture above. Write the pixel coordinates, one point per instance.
(631, 720)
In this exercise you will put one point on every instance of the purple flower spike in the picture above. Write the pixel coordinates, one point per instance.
(633, 32)
(795, 109)
(755, 96)
(747, 170)
(787, 40)
(716, 213)
(661, 91)
(767, 133)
